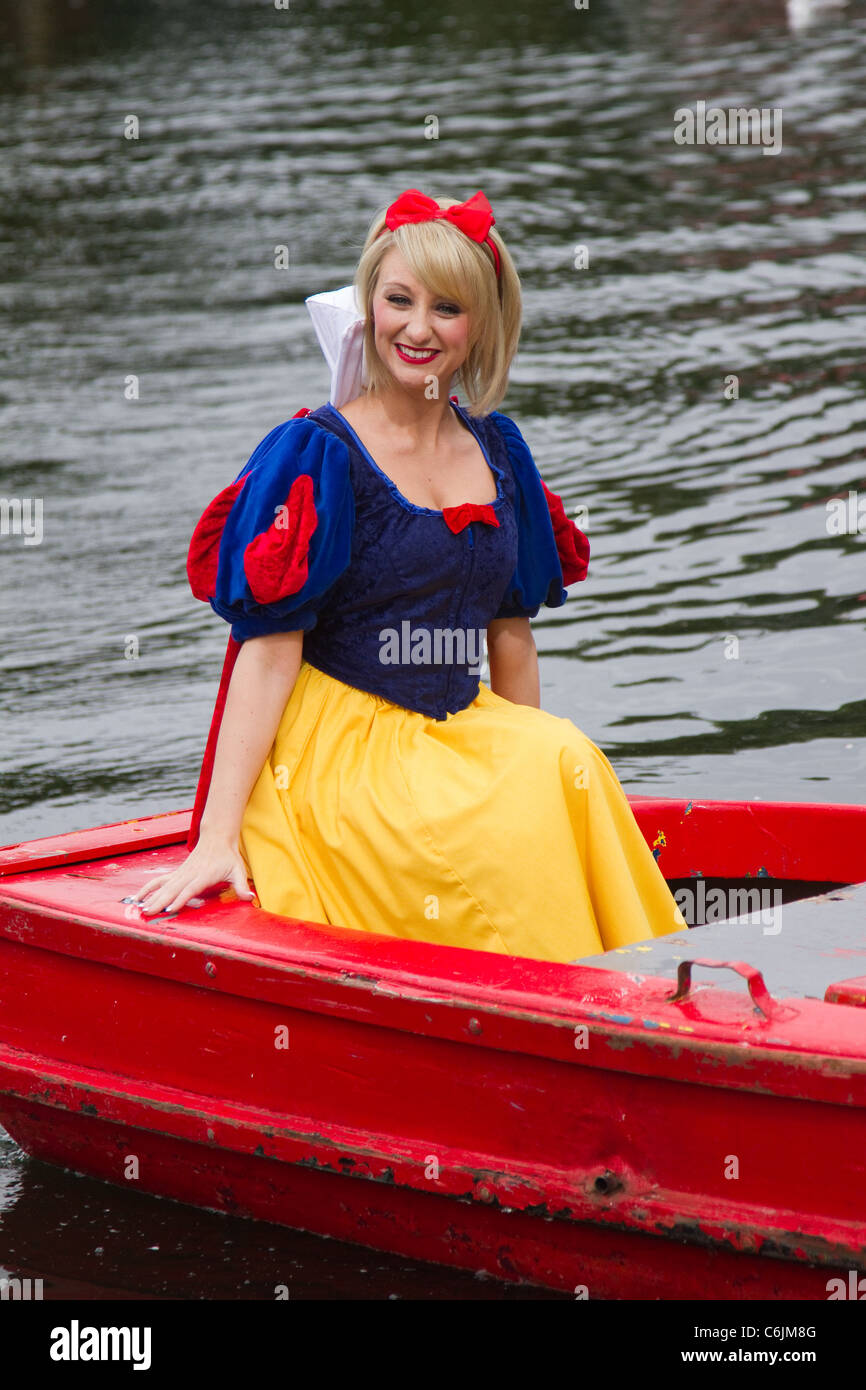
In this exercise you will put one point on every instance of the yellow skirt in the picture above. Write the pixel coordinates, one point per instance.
(501, 828)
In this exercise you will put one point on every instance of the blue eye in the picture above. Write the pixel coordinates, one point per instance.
(446, 307)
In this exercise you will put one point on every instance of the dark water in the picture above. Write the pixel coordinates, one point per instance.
(708, 516)
(87, 1240)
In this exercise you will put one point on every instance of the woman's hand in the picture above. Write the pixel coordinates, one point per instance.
(262, 681)
(214, 860)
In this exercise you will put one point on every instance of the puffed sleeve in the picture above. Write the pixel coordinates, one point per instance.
(551, 551)
(271, 544)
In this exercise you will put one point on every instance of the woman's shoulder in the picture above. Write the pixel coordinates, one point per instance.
(306, 429)
(300, 448)
(291, 503)
(543, 514)
(500, 424)
(500, 428)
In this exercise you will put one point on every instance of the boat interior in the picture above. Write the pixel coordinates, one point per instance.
(790, 879)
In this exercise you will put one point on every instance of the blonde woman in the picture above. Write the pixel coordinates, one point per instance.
(363, 776)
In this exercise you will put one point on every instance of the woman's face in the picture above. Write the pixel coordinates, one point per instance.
(417, 334)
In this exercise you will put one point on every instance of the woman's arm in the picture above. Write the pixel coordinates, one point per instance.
(263, 678)
(513, 661)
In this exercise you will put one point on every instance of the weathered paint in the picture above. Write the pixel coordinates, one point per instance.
(729, 839)
(851, 992)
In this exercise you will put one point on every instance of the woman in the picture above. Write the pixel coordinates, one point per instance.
(363, 776)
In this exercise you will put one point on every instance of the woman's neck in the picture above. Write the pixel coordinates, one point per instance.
(412, 416)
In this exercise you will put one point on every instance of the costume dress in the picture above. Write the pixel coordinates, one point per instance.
(401, 794)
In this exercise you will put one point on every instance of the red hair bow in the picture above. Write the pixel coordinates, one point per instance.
(474, 217)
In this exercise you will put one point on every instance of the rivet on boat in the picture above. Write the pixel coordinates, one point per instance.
(474, 1025)
(210, 968)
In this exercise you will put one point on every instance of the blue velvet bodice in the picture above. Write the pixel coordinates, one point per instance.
(313, 536)
(409, 575)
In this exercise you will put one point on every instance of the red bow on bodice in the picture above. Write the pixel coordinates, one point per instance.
(458, 518)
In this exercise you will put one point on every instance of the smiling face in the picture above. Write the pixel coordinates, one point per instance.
(417, 334)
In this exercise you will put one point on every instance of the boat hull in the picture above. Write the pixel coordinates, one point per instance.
(583, 1259)
(572, 1127)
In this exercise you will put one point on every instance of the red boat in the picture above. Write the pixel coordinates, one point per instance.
(627, 1128)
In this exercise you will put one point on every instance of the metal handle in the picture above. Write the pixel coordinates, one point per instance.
(760, 995)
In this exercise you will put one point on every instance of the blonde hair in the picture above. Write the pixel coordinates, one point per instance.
(450, 264)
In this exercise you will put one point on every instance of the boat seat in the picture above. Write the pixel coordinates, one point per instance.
(803, 949)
